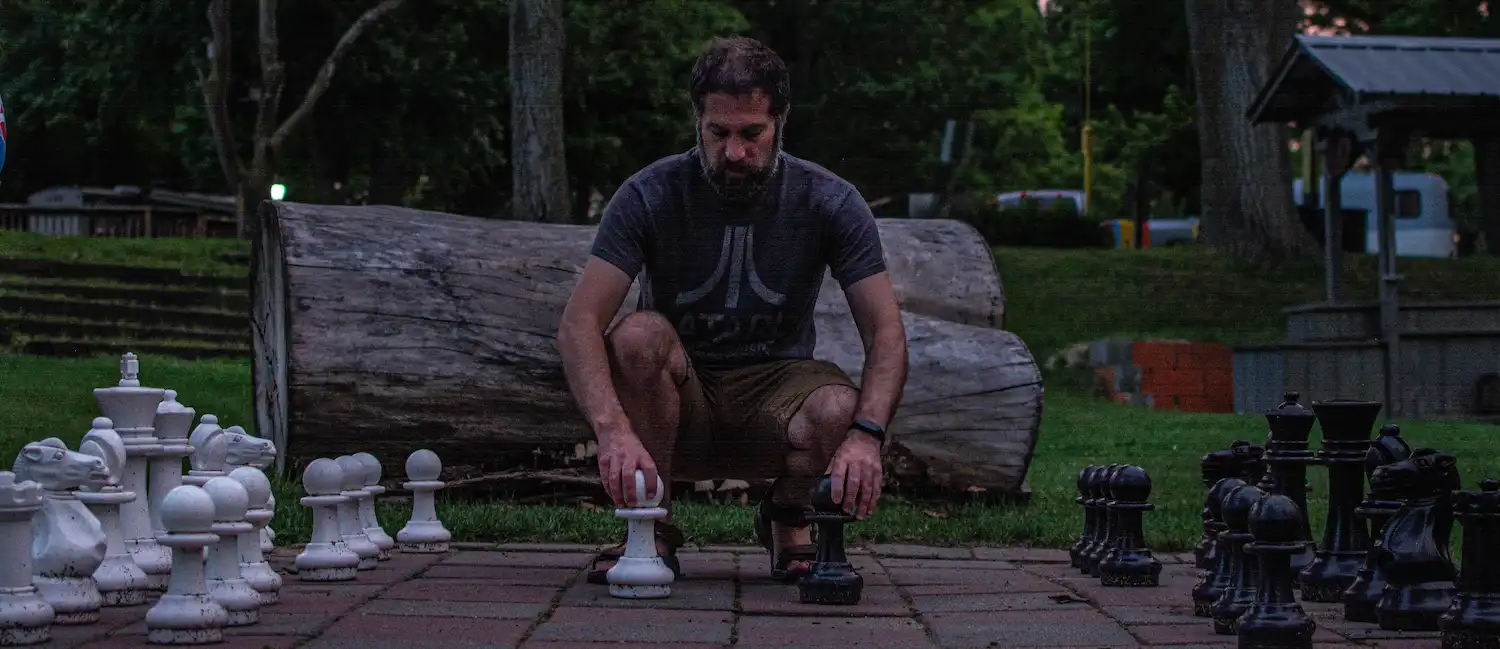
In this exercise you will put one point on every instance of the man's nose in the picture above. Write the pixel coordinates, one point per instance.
(735, 151)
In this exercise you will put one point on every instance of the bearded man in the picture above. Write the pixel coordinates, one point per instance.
(713, 375)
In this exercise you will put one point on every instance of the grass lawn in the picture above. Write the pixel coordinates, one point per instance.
(1054, 298)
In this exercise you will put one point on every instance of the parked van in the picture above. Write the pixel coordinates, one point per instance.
(1424, 226)
(1044, 199)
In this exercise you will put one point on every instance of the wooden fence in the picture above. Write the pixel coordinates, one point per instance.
(127, 221)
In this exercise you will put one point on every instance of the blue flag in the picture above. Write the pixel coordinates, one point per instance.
(2, 134)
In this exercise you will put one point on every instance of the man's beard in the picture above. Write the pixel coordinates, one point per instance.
(751, 184)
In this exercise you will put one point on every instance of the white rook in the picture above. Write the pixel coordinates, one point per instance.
(25, 618)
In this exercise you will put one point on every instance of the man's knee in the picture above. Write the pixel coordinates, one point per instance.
(641, 346)
(826, 415)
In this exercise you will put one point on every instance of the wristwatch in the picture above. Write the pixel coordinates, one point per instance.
(870, 428)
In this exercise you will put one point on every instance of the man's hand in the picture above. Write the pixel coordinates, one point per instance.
(858, 474)
(620, 456)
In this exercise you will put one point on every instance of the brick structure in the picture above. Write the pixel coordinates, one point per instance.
(1166, 375)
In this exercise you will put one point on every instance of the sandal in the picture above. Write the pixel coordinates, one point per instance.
(769, 512)
(668, 539)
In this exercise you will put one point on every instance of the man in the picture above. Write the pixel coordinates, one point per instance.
(713, 375)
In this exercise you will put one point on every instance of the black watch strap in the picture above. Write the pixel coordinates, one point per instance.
(871, 428)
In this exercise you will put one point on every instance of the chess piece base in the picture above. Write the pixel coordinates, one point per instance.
(24, 637)
(28, 618)
(835, 584)
(1360, 611)
(327, 574)
(367, 563)
(243, 618)
(640, 578)
(134, 597)
(1201, 608)
(1414, 608)
(423, 548)
(647, 591)
(1133, 570)
(1329, 575)
(1272, 629)
(74, 600)
(1470, 640)
(185, 636)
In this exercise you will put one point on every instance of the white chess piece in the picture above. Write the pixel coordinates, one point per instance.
(367, 515)
(253, 566)
(351, 529)
(131, 407)
(325, 558)
(268, 535)
(186, 613)
(165, 468)
(25, 618)
(120, 581)
(222, 567)
(67, 542)
(641, 573)
(423, 533)
(248, 450)
(210, 450)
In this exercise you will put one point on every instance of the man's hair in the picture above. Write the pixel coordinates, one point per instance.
(739, 66)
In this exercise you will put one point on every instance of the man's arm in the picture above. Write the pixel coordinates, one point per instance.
(858, 263)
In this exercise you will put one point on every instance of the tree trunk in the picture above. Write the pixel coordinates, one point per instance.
(387, 329)
(539, 170)
(1247, 188)
(1487, 177)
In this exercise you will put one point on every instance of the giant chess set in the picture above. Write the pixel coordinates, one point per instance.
(1384, 554)
(118, 523)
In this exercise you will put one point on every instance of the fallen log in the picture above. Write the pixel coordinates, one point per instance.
(387, 329)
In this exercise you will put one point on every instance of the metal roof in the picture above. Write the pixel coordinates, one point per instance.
(1377, 66)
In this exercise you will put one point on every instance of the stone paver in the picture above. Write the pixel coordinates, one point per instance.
(533, 596)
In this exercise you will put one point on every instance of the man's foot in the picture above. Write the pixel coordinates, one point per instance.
(792, 551)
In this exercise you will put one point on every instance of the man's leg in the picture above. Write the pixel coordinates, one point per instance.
(654, 382)
(814, 434)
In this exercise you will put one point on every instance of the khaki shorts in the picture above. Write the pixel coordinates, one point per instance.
(734, 422)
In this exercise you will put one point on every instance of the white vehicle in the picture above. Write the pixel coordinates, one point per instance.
(1045, 199)
(1424, 227)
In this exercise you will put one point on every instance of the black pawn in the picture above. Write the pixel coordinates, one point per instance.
(1420, 573)
(831, 579)
(1244, 567)
(1107, 530)
(1215, 579)
(1346, 426)
(1287, 459)
(1473, 620)
(1090, 515)
(1241, 460)
(1378, 507)
(1129, 562)
(1275, 620)
(1094, 503)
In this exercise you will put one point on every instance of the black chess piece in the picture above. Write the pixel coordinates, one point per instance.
(1241, 460)
(1213, 581)
(1129, 562)
(831, 578)
(1244, 567)
(1090, 515)
(1286, 460)
(1109, 516)
(1378, 507)
(1098, 496)
(1346, 425)
(1472, 621)
(1275, 620)
(1419, 571)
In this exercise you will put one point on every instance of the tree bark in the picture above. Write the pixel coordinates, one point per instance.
(539, 170)
(1487, 177)
(387, 330)
(1247, 192)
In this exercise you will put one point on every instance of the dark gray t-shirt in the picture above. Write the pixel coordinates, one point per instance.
(739, 282)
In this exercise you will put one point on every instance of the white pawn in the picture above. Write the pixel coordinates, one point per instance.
(253, 566)
(423, 533)
(641, 573)
(351, 529)
(67, 542)
(120, 580)
(367, 506)
(25, 618)
(222, 572)
(187, 613)
(268, 535)
(324, 558)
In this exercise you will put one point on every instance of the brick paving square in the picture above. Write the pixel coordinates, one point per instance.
(470, 590)
(900, 551)
(230, 642)
(1139, 615)
(503, 574)
(1408, 643)
(961, 564)
(292, 588)
(998, 581)
(519, 559)
(1202, 633)
(553, 644)
(422, 608)
(577, 548)
(575, 623)
(701, 566)
(980, 602)
(686, 594)
(322, 602)
(774, 631)
(270, 624)
(399, 630)
(1023, 555)
(779, 599)
(1070, 628)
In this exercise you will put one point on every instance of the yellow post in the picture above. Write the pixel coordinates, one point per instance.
(1088, 167)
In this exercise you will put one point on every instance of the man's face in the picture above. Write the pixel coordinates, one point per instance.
(738, 142)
